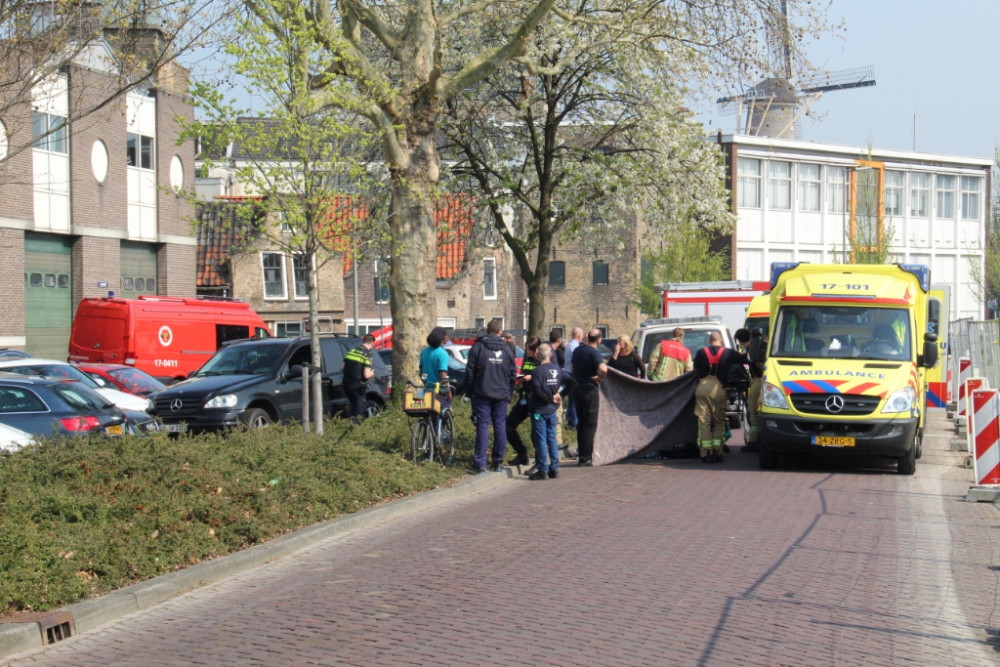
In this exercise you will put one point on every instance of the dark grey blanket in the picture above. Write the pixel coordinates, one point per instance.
(638, 417)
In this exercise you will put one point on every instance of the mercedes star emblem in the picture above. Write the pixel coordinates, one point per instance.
(835, 403)
(177, 404)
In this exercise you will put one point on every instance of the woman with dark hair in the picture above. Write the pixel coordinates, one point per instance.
(434, 363)
(520, 411)
(626, 359)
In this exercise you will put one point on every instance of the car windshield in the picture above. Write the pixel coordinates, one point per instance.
(136, 381)
(818, 332)
(694, 340)
(260, 359)
(54, 371)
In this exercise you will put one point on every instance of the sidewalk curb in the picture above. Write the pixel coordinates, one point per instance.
(89, 614)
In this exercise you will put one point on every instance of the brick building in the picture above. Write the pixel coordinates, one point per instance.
(92, 206)
(233, 264)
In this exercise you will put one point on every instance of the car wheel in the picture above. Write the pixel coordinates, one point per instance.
(908, 462)
(768, 460)
(372, 409)
(255, 418)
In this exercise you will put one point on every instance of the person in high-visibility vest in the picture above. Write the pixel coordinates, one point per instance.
(357, 371)
(712, 365)
(669, 359)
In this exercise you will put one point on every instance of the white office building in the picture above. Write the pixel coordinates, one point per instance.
(798, 201)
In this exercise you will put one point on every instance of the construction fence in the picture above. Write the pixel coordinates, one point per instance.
(978, 341)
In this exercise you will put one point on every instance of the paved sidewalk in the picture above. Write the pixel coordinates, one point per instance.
(650, 563)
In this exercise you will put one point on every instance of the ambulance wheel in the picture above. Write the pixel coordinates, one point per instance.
(920, 445)
(768, 460)
(908, 462)
(255, 419)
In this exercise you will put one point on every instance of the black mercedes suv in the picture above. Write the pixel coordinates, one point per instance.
(257, 382)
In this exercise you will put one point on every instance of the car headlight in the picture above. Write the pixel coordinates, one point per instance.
(900, 401)
(224, 401)
(774, 397)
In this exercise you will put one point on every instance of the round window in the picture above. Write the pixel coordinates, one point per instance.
(99, 160)
(176, 173)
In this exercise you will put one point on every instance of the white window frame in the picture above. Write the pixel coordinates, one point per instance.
(748, 183)
(923, 193)
(898, 193)
(775, 182)
(806, 184)
(490, 261)
(263, 276)
(836, 189)
(477, 325)
(447, 322)
(941, 197)
(295, 284)
(968, 196)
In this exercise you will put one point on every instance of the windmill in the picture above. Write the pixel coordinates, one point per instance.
(775, 106)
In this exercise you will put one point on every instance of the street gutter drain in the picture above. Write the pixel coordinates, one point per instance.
(55, 626)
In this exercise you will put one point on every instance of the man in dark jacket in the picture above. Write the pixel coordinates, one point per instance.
(490, 377)
(550, 384)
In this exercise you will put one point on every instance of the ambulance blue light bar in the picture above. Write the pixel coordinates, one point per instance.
(922, 273)
(777, 268)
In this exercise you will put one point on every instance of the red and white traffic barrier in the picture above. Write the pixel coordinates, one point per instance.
(964, 374)
(986, 426)
(971, 385)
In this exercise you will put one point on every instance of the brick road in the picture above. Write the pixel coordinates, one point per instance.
(637, 564)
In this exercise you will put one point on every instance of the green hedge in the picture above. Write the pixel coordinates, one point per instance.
(83, 516)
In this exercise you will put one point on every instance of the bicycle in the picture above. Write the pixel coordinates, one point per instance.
(433, 436)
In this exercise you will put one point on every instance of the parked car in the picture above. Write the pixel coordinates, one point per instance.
(254, 383)
(386, 358)
(13, 354)
(123, 378)
(13, 439)
(167, 337)
(459, 353)
(49, 406)
(61, 369)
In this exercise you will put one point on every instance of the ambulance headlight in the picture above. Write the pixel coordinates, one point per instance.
(774, 397)
(900, 401)
(224, 401)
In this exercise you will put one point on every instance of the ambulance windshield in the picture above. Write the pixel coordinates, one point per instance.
(820, 332)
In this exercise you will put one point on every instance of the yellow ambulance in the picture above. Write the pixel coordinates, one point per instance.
(845, 361)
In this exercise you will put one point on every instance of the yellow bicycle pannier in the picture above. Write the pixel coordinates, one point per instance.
(428, 401)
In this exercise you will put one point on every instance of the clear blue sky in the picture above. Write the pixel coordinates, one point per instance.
(936, 57)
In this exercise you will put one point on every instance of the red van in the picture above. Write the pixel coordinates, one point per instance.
(167, 337)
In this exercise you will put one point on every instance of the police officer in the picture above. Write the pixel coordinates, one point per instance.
(357, 369)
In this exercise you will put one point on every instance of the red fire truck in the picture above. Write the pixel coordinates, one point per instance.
(725, 300)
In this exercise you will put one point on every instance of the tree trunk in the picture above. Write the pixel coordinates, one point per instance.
(414, 260)
(536, 309)
(316, 382)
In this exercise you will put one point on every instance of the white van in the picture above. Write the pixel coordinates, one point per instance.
(696, 333)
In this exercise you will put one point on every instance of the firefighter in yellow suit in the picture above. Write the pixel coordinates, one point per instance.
(712, 365)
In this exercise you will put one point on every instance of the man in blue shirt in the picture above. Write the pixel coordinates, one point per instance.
(575, 340)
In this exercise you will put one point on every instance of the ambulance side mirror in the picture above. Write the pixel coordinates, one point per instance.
(930, 356)
(757, 350)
